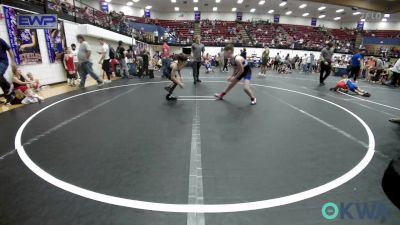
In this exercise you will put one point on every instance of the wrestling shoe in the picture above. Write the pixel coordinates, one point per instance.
(254, 101)
(219, 96)
(171, 98)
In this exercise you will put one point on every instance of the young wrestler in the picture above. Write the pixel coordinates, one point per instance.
(346, 84)
(241, 71)
(170, 71)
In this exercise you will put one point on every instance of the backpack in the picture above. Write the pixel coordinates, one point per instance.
(112, 53)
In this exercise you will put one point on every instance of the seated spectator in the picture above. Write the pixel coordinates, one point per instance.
(22, 84)
(36, 84)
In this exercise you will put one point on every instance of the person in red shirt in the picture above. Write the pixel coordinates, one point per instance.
(70, 67)
(165, 56)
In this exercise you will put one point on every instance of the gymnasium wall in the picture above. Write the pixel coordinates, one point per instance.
(394, 25)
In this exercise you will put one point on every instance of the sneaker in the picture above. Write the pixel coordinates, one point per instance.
(100, 84)
(219, 96)
(107, 81)
(171, 98)
(198, 80)
(254, 101)
(40, 98)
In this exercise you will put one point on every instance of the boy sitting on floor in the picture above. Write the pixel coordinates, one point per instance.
(346, 84)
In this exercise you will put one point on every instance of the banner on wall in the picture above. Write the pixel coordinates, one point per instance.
(24, 42)
(55, 40)
(239, 16)
(197, 16)
(147, 13)
(360, 25)
(313, 21)
(276, 18)
(104, 6)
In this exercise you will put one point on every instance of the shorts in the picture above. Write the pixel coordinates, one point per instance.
(106, 66)
(246, 75)
(71, 75)
(22, 88)
(265, 62)
(352, 86)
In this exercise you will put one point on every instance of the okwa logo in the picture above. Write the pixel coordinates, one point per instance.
(355, 210)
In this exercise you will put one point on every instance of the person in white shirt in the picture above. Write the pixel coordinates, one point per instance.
(75, 54)
(396, 73)
(105, 60)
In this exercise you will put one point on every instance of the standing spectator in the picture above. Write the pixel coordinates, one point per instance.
(156, 35)
(70, 67)
(197, 51)
(74, 52)
(326, 62)
(396, 73)
(165, 56)
(379, 69)
(277, 61)
(85, 63)
(265, 60)
(145, 57)
(244, 53)
(122, 61)
(356, 61)
(312, 62)
(4, 84)
(105, 59)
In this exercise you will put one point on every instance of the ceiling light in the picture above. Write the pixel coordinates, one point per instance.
(129, 3)
(252, 10)
(148, 7)
(234, 9)
(217, 1)
(386, 15)
(261, 2)
(176, 8)
(240, 1)
(321, 16)
(282, 4)
(108, 0)
(271, 11)
(135, 0)
(339, 10)
(195, 1)
(173, 1)
(196, 8)
(356, 13)
(303, 6)
(384, 19)
(288, 12)
(215, 8)
(306, 14)
(337, 18)
(362, 20)
(322, 8)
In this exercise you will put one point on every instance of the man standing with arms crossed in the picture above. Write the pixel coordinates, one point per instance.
(4, 62)
(197, 51)
(326, 61)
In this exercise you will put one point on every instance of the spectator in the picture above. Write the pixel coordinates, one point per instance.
(4, 62)
(85, 63)
(35, 85)
(22, 83)
(121, 54)
(356, 62)
(156, 36)
(70, 67)
(105, 59)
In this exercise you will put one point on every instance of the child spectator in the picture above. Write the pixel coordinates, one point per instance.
(35, 85)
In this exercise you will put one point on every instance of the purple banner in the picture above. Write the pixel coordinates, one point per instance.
(239, 16)
(313, 22)
(147, 13)
(104, 6)
(276, 18)
(197, 16)
(55, 40)
(360, 25)
(24, 42)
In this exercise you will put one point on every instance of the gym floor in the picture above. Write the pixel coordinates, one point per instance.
(125, 140)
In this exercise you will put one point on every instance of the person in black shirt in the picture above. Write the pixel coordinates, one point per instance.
(122, 61)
